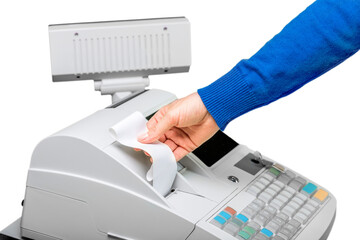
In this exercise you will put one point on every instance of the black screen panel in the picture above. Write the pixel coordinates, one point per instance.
(215, 148)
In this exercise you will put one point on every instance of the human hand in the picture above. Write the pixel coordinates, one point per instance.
(183, 125)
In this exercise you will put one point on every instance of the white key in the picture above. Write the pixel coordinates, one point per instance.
(290, 190)
(274, 187)
(313, 203)
(273, 226)
(298, 200)
(271, 210)
(255, 207)
(264, 181)
(279, 221)
(302, 218)
(280, 184)
(294, 205)
(282, 198)
(259, 202)
(283, 216)
(259, 185)
(306, 212)
(286, 193)
(261, 219)
(266, 197)
(276, 203)
(288, 210)
(302, 196)
(309, 207)
(268, 176)
(249, 212)
(254, 190)
(271, 192)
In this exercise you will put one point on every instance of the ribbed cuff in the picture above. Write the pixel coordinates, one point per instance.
(228, 97)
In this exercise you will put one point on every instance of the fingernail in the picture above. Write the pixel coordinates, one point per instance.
(143, 136)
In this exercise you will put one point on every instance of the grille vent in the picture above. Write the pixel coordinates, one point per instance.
(121, 53)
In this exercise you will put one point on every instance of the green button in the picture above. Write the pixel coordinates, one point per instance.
(249, 230)
(274, 171)
(244, 235)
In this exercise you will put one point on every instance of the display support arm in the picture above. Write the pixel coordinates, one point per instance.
(119, 88)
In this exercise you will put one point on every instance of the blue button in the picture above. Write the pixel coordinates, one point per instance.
(220, 220)
(225, 215)
(267, 232)
(242, 218)
(309, 188)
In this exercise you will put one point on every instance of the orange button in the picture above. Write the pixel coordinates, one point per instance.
(230, 210)
(321, 195)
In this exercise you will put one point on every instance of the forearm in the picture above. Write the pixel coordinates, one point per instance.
(324, 35)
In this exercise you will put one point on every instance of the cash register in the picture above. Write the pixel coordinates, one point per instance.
(82, 184)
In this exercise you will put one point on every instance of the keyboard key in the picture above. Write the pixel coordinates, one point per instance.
(309, 189)
(242, 218)
(261, 219)
(297, 183)
(243, 235)
(230, 210)
(264, 181)
(259, 202)
(288, 210)
(309, 207)
(259, 185)
(283, 216)
(276, 203)
(321, 195)
(302, 218)
(285, 233)
(299, 199)
(266, 197)
(271, 192)
(286, 177)
(218, 221)
(291, 228)
(278, 238)
(279, 221)
(254, 190)
(266, 232)
(251, 231)
(260, 236)
(269, 176)
(237, 222)
(279, 184)
(273, 226)
(274, 171)
(255, 207)
(313, 203)
(294, 223)
(276, 188)
(249, 212)
(254, 225)
(271, 210)
(231, 228)
(294, 204)
(225, 215)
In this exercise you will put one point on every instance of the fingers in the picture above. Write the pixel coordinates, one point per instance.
(179, 153)
(157, 130)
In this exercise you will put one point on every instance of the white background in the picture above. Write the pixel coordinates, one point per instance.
(314, 131)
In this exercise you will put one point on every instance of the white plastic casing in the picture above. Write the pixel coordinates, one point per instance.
(117, 49)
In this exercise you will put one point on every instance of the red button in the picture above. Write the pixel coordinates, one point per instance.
(230, 210)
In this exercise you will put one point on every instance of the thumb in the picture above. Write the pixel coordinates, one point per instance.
(158, 126)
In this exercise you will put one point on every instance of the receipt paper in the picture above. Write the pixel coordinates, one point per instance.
(163, 170)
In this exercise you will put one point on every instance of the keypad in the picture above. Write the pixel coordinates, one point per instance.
(283, 205)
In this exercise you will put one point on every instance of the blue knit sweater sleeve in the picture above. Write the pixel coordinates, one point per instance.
(318, 39)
